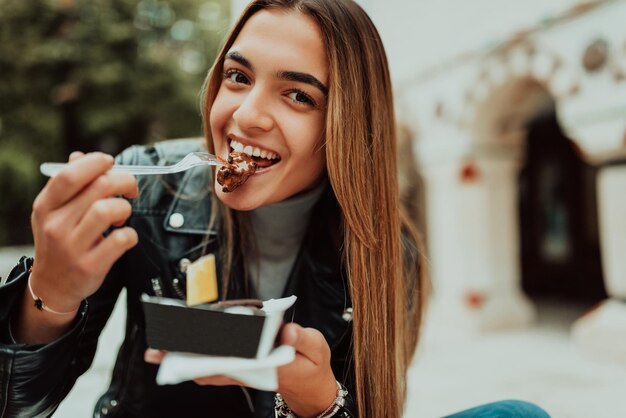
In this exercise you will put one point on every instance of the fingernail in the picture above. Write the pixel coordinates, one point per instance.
(291, 335)
(122, 238)
(109, 158)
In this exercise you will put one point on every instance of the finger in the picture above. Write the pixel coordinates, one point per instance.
(99, 217)
(111, 248)
(110, 184)
(217, 380)
(153, 356)
(289, 334)
(75, 156)
(308, 342)
(69, 217)
(72, 179)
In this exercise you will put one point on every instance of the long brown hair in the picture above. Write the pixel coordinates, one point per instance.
(381, 251)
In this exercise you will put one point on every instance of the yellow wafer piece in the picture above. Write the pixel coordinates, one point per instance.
(202, 281)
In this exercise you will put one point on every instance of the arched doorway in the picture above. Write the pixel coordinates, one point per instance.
(559, 251)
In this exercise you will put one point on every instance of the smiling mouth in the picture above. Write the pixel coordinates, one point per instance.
(263, 158)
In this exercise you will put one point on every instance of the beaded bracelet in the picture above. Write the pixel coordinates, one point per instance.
(282, 410)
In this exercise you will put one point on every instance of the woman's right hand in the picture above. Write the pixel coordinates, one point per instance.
(70, 215)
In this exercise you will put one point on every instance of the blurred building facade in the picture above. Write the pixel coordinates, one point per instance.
(519, 112)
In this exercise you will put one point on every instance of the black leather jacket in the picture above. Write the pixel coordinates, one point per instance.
(171, 216)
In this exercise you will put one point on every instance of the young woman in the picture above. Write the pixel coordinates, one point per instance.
(303, 86)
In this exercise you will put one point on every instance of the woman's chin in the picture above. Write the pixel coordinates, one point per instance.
(238, 199)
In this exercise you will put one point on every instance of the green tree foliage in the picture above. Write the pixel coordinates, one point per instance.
(95, 75)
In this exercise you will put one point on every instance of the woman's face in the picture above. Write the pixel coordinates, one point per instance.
(271, 105)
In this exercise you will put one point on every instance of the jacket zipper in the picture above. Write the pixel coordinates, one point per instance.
(248, 398)
(177, 288)
(157, 287)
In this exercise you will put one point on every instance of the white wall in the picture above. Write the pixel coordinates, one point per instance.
(420, 34)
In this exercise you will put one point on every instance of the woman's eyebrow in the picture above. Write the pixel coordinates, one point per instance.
(237, 57)
(303, 78)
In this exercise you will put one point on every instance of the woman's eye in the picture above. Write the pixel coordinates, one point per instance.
(301, 97)
(236, 77)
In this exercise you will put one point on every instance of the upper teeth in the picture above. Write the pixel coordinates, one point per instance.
(252, 151)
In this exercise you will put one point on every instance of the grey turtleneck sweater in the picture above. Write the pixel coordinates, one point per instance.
(279, 229)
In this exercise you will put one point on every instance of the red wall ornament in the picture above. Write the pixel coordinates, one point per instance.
(475, 299)
(469, 172)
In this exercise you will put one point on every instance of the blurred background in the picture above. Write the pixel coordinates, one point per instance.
(512, 130)
(95, 75)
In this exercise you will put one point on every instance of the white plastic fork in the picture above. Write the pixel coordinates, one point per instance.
(193, 159)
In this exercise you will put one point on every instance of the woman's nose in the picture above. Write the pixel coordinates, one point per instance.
(254, 112)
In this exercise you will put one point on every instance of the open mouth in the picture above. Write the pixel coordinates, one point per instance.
(263, 158)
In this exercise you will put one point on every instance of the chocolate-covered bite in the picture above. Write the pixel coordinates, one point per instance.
(240, 166)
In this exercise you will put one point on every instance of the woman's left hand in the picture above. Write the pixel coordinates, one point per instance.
(307, 384)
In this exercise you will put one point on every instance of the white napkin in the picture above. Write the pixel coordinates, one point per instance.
(255, 373)
(259, 373)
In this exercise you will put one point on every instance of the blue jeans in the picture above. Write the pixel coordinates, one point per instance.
(503, 409)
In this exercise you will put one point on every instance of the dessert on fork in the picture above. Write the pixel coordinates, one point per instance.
(239, 167)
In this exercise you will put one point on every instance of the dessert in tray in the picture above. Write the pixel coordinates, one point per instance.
(208, 329)
(239, 167)
(245, 328)
(229, 328)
